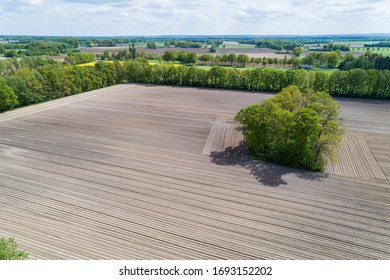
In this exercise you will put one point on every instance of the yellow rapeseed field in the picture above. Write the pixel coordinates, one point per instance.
(87, 64)
(151, 63)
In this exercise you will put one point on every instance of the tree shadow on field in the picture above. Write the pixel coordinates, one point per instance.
(269, 174)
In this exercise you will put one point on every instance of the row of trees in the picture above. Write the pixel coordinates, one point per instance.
(334, 47)
(277, 44)
(33, 80)
(333, 59)
(184, 44)
(182, 57)
(357, 82)
(379, 45)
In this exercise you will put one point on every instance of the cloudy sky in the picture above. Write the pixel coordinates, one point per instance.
(203, 17)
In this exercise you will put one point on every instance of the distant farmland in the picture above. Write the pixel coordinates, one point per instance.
(251, 52)
(156, 172)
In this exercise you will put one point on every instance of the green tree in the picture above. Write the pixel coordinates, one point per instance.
(8, 99)
(106, 55)
(296, 62)
(205, 58)
(27, 85)
(243, 59)
(213, 49)
(9, 250)
(132, 50)
(232, 58)
(293, 128)
(11, 53)
(310, 59)
(330, 59)
(297, 51)
(137, 70)
(169, 56)
(191, 58)
(182, 57)
(151, 45)
(107, 72)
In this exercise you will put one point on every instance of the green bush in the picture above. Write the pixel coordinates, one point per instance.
(9, 250)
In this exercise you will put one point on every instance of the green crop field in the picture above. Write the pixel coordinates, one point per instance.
(382, 51)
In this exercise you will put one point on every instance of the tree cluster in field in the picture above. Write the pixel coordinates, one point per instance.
(334, 59)
(35, 48)
(335, 47)
(151, 45)
(369, 60)
(124, 54)
(277, 44)
(184, 44)
(9, 250)
(32, 80)
(293, 128)
(182, 57)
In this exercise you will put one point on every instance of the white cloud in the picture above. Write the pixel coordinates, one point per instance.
(38, 3)
(153, 17)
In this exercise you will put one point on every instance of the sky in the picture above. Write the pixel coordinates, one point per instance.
(193, 17)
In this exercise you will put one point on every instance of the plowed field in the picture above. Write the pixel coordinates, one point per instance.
(145, 172)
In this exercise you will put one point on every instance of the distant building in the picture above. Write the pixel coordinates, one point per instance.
(307, 67)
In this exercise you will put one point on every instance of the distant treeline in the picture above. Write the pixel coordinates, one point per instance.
(335, 47)
(29, 47)
(184, 44)
(32, 80)
(277, 44)
(35, 48)
(378, 45)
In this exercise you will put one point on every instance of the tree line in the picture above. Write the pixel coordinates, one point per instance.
(31, 80)
(379, 45)
(355, 83)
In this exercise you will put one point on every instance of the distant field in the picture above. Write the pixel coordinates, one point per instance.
(238, 46)
(239, 49)
(355, 42)
(382, 51)
(208, 67)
